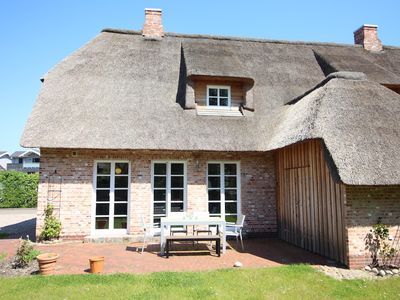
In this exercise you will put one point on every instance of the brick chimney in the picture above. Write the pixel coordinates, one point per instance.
(367, 36)
(152, 27)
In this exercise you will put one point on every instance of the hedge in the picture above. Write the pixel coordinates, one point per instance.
(18, 189)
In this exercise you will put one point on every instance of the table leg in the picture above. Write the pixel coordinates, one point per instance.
(223, 238)
(162, 239)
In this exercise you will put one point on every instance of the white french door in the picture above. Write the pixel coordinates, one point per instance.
(169, 188)
(223, 186)
(111, 199)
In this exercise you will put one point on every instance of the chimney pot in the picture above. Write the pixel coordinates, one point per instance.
(152, 28)
(367, 36)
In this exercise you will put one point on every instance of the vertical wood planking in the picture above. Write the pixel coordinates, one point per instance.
(311, 203)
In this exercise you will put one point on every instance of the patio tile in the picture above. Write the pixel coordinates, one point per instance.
(126, 257)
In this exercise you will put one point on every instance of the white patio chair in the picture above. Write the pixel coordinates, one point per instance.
(149, 230)
(235, 229)
(200, 215)
(177, 228)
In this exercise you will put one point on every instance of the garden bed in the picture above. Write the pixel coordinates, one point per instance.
(7, 268)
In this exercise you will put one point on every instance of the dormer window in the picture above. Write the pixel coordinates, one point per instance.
(218, 96)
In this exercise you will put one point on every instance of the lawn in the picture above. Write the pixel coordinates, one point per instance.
(288, 282)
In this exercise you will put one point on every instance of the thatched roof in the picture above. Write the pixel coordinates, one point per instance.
(333, 59)
(119, 91)
(358, 121)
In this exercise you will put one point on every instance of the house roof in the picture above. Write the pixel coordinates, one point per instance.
(25, 153)
(4, 153)
(357, 119)
(119, 91)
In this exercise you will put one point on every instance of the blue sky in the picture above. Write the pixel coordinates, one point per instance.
(35, 35)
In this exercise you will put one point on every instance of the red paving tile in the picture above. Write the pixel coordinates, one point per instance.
(125, 257)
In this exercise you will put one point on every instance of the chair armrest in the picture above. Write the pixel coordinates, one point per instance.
(234, 226)
(151, 226)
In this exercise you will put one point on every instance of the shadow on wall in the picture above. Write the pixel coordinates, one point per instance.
(21, 229)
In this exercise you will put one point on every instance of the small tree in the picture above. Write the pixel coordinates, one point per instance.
(376, 241)
(52, 226)
(25, 253)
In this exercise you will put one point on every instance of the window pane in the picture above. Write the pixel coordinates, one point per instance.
(214, 195)
(214, 208)
(214, 169)
(103, 181)
(230, 169)
(160, 169)
(176, 195)
(231, 208)
(177, 182)
(121, 182)
(121, 168)
(120, 223)
(230, 182)
(177, 169)
(214, 182)
(231, 194)
(102, 223)
(231, 219)
(212, 101)
(121, 195)
(160, 182)
(103, 195)
(120, 208)
(223, 102)
(223, 92)
(212, 92)
(157, 220)
(159, 209)
(159, 195)
(176, 207)
(102, 209)
(103, 168)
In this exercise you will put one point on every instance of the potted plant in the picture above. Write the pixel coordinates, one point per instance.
(96, 264)
(47, 263)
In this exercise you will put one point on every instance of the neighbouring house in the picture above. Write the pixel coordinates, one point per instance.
(303, 138)
(4, 160)
(25, 161)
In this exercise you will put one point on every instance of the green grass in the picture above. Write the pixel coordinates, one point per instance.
(289, 282)
(3, 235)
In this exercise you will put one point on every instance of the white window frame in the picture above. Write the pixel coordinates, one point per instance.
(222, 185)
(168, 186)
(218, 87)
(109, 232)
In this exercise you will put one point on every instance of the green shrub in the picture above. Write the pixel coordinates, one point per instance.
(18, 189)
(3, 235)
(3, 255)
(52, 226)
(25, 254)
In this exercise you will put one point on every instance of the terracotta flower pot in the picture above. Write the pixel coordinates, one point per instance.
(96, 264)
(47, 263)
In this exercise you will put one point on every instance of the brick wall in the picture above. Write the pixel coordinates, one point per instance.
(74, 209)
(364, 205)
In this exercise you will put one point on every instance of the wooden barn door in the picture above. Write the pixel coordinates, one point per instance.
(310, 202)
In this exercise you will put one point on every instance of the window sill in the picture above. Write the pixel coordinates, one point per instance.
(219, 111)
